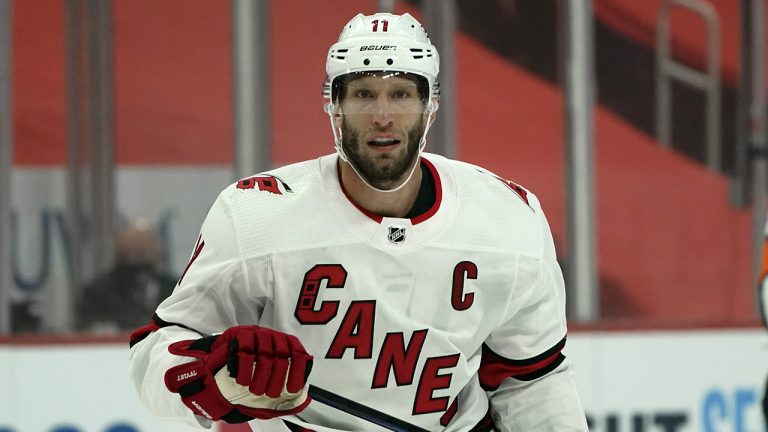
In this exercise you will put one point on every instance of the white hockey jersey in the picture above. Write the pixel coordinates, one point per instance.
(437, 320)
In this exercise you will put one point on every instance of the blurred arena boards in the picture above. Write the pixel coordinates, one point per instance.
(682, 381)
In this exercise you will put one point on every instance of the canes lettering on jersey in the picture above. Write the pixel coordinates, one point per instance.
(335, 276)
(396, 357)
(433, 379)
(356, 333)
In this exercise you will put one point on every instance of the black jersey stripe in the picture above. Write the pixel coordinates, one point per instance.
(157, 323)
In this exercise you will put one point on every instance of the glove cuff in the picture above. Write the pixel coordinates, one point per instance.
(198, 391)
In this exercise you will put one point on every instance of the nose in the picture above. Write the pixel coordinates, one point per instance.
(382, 111)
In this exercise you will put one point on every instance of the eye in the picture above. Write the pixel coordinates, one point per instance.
(401, 94)
(362, 94)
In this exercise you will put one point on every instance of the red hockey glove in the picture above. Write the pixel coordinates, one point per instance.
(265, 375)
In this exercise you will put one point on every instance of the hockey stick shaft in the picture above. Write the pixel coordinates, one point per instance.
(359, 410)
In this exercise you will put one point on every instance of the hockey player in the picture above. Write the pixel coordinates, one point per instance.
(419, 286)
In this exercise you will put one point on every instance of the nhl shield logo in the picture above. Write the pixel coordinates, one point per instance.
(396, 234)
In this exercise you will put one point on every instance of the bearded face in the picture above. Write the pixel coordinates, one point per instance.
(382, 169)
(382, 121)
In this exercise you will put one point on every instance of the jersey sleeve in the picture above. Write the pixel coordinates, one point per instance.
(523, 369)
(214, 293)
(217, 290)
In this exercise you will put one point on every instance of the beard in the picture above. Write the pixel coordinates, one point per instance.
(382, 171)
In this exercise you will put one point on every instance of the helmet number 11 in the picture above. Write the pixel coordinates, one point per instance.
(384, 24)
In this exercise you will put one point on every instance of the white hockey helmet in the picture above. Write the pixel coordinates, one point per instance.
(383, 42)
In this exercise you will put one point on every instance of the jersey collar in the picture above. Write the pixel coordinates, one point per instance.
(415, 220)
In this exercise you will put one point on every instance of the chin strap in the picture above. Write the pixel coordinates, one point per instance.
(329, 107)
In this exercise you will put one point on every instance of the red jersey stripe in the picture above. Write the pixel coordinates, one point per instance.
(495, 368)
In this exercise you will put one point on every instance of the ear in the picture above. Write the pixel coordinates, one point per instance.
(337, 118)
(432, 111)
(335, 112)
(433, 105)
